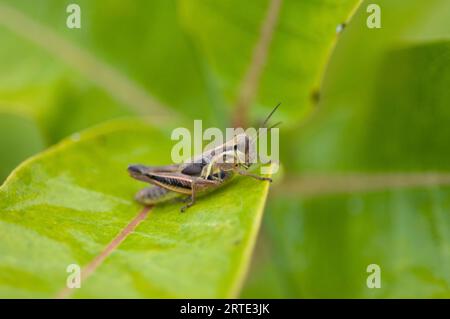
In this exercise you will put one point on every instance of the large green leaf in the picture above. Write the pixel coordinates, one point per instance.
(65, 205)
(329, 241)
(383, 120)
(137, 56)
(160, 57)
(225, 32)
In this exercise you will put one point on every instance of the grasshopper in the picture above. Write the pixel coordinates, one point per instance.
(204, 172)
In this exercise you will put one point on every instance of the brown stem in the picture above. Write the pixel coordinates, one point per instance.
(321, 185)
(250, 83)
(100, 258)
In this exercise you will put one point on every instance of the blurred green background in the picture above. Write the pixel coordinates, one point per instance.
(362, 102)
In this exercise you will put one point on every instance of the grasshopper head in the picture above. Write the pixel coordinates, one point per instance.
(138, 172)
(245, 149)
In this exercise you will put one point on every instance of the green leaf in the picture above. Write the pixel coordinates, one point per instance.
(199, 49)
(136, 68)
(64, 206)
(370, 174)
(225, 32)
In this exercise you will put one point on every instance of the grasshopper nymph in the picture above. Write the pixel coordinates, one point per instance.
(204, 172)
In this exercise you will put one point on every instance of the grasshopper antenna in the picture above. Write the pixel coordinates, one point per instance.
(268, 129)
(267, 119)
(270, 115)
(275, 125)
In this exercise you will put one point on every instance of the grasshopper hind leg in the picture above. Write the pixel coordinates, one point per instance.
(192, 198)
(190, 201)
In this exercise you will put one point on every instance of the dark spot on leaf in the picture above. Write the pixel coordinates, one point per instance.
(315, 96)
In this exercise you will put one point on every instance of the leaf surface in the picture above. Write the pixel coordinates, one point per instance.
(370, 181)
(66, 205)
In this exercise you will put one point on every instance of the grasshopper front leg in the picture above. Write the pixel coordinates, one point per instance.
(261, 178)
